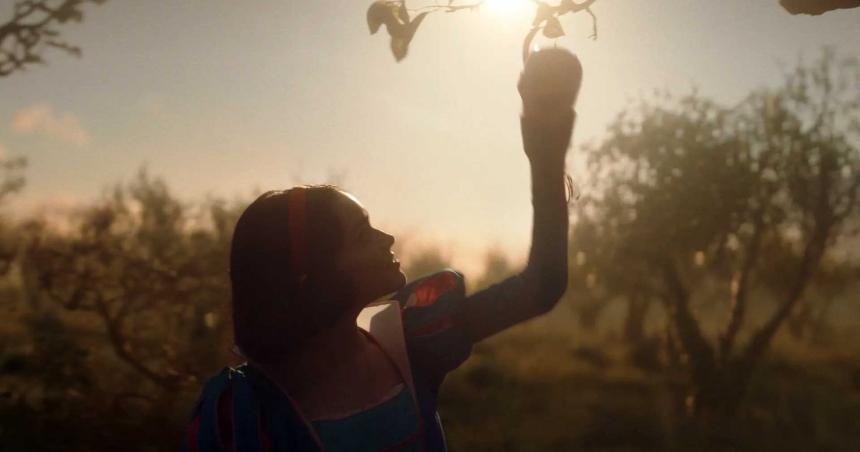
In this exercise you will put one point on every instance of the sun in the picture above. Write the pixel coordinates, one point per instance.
(507, 8)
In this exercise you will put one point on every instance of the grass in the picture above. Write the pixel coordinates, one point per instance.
(538, 387)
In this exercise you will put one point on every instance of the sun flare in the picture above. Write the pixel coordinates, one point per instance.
(507, 8)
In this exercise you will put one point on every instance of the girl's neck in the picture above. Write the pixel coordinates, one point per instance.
(340, 370)
(320, 354)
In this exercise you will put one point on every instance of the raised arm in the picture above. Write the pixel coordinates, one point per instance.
(548, 87)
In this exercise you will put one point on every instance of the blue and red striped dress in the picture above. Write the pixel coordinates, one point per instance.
(241, 410)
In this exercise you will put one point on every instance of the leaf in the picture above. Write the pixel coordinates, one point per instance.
(68, 12)
(544, 12)
(565, 7)
(399, 47)
(30, 58)
(553, 29)
(410, 29)
(401, 38)
(402, 13)
(379, 12)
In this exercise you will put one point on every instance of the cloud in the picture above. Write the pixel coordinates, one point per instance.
(41, 118)
(3, 152)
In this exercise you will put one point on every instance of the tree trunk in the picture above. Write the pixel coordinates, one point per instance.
(634, 322)
(718, 397)
(799, 322)
(588, 311)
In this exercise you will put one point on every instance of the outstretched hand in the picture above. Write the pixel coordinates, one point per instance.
(549, 86)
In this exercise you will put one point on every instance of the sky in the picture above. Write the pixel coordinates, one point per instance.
(225, 98)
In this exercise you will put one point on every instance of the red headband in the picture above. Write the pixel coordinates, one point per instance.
(298, 248)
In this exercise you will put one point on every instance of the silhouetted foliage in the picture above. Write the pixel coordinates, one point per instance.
(401, 28)
(11, 175)
(11, 181)
(811, 319)
(125, 309)
(33, 28)
(816, 7)
(701, 201)
(138, 265)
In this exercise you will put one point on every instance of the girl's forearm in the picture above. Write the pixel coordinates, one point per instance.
(546, 271)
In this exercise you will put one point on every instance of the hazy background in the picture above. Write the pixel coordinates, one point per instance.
(222, 97)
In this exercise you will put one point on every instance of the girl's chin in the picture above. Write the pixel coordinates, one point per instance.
(398, 281)
(393, 283)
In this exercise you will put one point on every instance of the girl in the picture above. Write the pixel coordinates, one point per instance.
(306, 262)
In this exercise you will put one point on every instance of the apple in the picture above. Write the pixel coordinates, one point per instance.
(550, 81)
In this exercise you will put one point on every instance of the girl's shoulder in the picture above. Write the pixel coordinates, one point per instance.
(238, 410)
(436, 343)
(429, 302)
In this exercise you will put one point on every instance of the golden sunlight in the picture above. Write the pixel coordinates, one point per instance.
(508, 8)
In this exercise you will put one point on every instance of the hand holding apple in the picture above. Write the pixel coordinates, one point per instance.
(549, 86)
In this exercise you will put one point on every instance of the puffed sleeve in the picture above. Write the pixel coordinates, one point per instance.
(436, 343)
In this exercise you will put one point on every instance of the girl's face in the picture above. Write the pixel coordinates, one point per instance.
(365, 259)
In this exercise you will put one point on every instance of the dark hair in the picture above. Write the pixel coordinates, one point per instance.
(271, 308)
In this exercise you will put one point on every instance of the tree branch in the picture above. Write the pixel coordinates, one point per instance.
(21, 38)
(825, 222)
(740, 291)
(119, 344)
(812, 254)
(690, 335)
(850, 201)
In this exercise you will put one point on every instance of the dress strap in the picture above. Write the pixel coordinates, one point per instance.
(383, 324)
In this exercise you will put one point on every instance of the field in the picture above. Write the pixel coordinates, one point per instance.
(543, 386)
